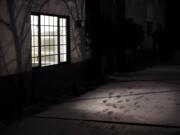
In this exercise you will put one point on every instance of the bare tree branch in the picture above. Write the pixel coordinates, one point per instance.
(77, 8)
(69, 9)
(19, 11)
(7, 24)
(83, 5)
(3, 60)
(25, 35)
(41, 6)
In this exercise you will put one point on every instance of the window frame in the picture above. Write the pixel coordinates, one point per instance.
(58, 36)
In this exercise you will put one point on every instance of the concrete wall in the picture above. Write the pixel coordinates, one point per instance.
(15, 35)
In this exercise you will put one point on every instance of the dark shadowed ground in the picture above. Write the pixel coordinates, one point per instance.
(136, 103)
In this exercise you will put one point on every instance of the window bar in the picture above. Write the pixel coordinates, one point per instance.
(39, 38)
(59, 40)
(53, 46)
(68, 39)
(45, 35)
(47, 57)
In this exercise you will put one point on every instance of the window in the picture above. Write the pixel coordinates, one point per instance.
(49, 40)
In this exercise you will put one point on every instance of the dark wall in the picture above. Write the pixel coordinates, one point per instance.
(20, 84)
(103, 26)
(173, 15)
(173, 22)
(122, 32)
(25, 89)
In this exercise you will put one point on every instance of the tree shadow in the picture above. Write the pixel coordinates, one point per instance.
(18, 14)
(76, 9)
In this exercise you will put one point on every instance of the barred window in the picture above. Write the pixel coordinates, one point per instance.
(49, 40)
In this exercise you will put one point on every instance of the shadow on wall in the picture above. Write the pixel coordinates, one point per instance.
(76, 9)
(18, 91)
(15, 89)
(3, 61)
(18, 26)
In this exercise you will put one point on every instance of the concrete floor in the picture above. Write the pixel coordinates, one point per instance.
(138, 103)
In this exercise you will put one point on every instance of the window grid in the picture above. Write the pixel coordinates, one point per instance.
(49, 40)
(35, 41)
(63, 39)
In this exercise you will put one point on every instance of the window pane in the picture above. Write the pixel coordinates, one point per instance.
(47, 60)
(34, 41)
(46, 40)
(34, 51)
(55, 30)
(35, 61)
(34, 30)
(42, 40)
(55, 21)
(51, 30)
(42, 51)
(53, 40)
(51, 21)
(43, 61)
(55, 49)
(60, 22)
(63, 40)
(46, 30)
(42, 20)
(62, 30)
(64, 22)
(46, 18)
(63, 49)
(34, 20)
(53, 59)
(42, 30)
(63, 58)
(46, 50)
(43, 64)
(51, 50)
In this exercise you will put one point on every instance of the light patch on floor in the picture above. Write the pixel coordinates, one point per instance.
(157, 105)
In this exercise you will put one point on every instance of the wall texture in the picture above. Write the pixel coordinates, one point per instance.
(147, 11)
(20, 85)
(15, 35)
(136, 9)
